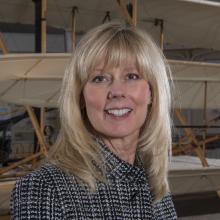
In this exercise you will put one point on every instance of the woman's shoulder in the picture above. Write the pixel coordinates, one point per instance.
(37, 190)
(46, 173)
(45, 178)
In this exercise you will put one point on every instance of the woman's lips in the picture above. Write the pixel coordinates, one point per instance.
(118, 112)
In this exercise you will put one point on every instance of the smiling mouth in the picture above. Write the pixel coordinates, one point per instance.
(118, 112)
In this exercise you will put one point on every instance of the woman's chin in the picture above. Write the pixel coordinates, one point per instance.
(120, 134)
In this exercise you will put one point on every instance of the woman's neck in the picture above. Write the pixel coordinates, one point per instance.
(124, 148)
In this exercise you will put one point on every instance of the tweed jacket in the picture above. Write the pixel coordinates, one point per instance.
(50, 193)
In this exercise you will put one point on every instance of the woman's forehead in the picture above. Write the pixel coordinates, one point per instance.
(127, 63)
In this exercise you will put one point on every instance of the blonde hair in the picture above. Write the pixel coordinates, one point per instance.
(75, 149)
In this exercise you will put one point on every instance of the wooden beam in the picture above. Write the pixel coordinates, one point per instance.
(188, 131)
(3, 46)
(16, 164)
(199, 152)
(36, 127)
(160, 23)
(125, 13)
(74, 11)
(162, 35)
(42, 125)
(205, 122)
(134, 12)
(12, 176)
(181, 141)
(181, 149)
(193, 141)
(42, 119)
(43, 26)
(210, 139)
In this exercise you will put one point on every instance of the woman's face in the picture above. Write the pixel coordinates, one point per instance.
(117, 100)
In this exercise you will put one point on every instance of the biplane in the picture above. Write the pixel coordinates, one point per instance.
(186, 30)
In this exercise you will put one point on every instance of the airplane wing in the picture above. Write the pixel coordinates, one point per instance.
(35, 79)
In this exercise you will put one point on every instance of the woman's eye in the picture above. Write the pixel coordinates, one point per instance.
(133, 76)
(99, 79)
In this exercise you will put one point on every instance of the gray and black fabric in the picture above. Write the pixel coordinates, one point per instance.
(50, 193)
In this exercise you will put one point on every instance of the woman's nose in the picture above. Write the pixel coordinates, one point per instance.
(116, 90)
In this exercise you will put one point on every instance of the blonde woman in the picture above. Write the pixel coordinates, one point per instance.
(110, 159)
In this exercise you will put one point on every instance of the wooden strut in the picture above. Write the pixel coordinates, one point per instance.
(42, 125)
(177, 150)
(3, 46)
(162, 34)
(42, 119)
(37, 129)
(16, 164)
(181, 149)
(134, 12)
(160, 23)
(12, 176)
(132, 20)
(43, 149)
(205, 117)
(44, 26)
(211, 139)
(193, 141)
(74, 11)
(188, 147)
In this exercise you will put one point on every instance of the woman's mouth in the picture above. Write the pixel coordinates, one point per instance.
(118, 112)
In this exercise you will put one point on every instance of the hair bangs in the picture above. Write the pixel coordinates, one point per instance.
(124, 46)
(118, 51)
(115, 51)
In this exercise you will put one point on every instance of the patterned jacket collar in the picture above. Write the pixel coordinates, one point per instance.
(119, 169)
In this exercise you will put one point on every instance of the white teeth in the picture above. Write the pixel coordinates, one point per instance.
(118, 112)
